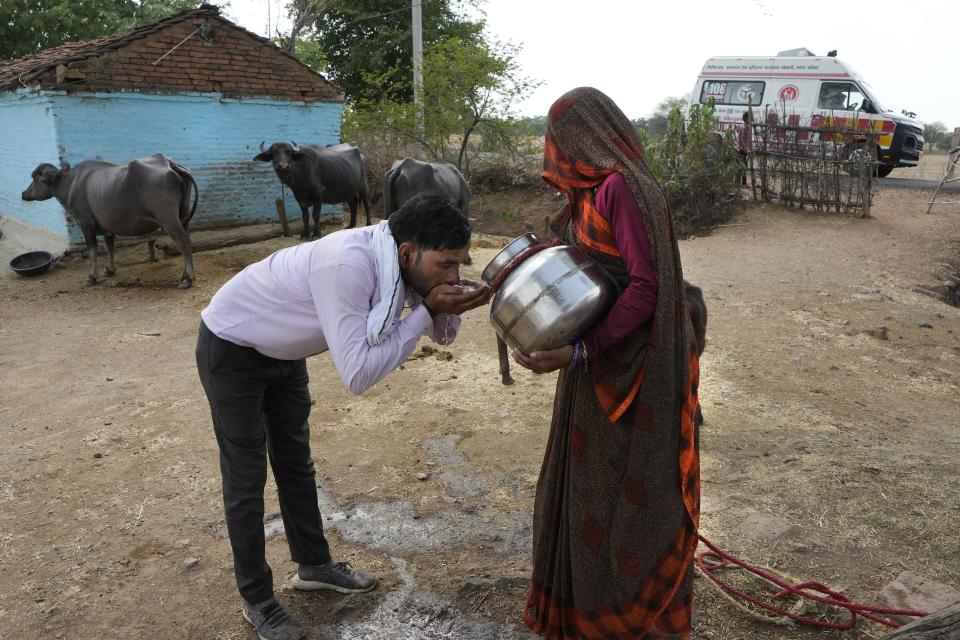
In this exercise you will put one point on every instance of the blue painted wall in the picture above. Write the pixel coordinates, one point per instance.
(215, 137)
(28, 137)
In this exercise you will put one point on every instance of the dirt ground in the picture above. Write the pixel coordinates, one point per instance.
(932, 166)
(828, 452)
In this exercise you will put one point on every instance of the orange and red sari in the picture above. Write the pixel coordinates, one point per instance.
(617, 506)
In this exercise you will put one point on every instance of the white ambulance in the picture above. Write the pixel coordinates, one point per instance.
(808, 90)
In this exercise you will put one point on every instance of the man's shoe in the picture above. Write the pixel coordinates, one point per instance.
(272, 621)
(336, 576)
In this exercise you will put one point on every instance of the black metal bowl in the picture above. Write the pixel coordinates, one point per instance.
(32, 263)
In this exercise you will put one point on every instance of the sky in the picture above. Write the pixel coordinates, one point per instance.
(640, 52)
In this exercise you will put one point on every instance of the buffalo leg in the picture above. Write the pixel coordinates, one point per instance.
(152, 248)
(353, 213)
(110, 241)
(366, 205)
(504, 361)
(305, 213)
(316, 219)
(181, 239)
(90, 237)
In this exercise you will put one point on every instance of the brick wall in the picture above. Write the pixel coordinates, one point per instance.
(215, 137)
(235, 63)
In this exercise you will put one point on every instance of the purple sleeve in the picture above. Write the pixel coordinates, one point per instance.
(635, 306)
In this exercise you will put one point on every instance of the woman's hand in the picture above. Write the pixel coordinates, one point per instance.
(545, 361)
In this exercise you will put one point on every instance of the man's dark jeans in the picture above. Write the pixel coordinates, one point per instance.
(260, 407)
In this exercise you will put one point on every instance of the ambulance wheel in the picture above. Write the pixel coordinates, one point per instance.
(856, 151)
(884, 170)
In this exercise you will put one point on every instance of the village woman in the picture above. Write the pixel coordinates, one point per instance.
(617, 505)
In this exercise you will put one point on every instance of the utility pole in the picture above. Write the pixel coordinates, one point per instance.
(416, 6)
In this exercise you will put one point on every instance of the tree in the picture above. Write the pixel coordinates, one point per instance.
(945, 141)
(936, 135)
(533, 125)
(303, 15)
(150, 11)
(362, 38)
(656, 124)
(932, 132)
(30, 26)
(697, 168)
(469, 88)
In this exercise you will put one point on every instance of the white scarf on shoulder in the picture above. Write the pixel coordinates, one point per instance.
(390, 292)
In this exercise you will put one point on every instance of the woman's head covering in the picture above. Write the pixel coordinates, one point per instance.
(588, 137)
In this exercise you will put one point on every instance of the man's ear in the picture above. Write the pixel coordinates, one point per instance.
(407, 253)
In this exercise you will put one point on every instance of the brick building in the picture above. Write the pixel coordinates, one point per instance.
(193, 86)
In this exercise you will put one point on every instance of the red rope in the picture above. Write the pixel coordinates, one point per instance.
(518, 259)
(716, 559)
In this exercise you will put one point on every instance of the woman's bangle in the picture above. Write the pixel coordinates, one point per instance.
(576, 355)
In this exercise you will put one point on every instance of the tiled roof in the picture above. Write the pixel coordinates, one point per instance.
(17, 73)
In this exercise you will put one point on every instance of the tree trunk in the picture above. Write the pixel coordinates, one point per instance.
(941, 625)
(466, 138)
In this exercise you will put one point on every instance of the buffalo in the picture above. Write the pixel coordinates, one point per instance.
(320, 175)
(408, 177)
(135, 199)
(698, 314)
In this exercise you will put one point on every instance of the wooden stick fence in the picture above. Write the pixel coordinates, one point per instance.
(823, 168)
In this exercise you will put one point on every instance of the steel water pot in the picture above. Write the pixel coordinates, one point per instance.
(550, 299)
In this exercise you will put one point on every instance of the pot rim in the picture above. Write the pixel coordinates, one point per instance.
(513, 248)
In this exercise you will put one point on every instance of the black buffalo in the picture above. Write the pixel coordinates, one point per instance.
(135, 199)
(408, 177)
(698, 318)
(698, 314)
(320, 175)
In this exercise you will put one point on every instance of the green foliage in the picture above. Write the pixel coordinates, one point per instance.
(310, 53)
(532, 126)
(150, 11)
(30, 26)
(367, 44)
(698, 168)
(656, 125)
(937, 136)
(470, 87)
(933, 130)
(640, 125)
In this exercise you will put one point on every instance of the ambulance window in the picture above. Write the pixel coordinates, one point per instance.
(732, 92)
(842, 96)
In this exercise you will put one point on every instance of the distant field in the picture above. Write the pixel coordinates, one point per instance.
(931, 167)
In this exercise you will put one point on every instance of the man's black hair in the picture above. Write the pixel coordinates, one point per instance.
(432, 222)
